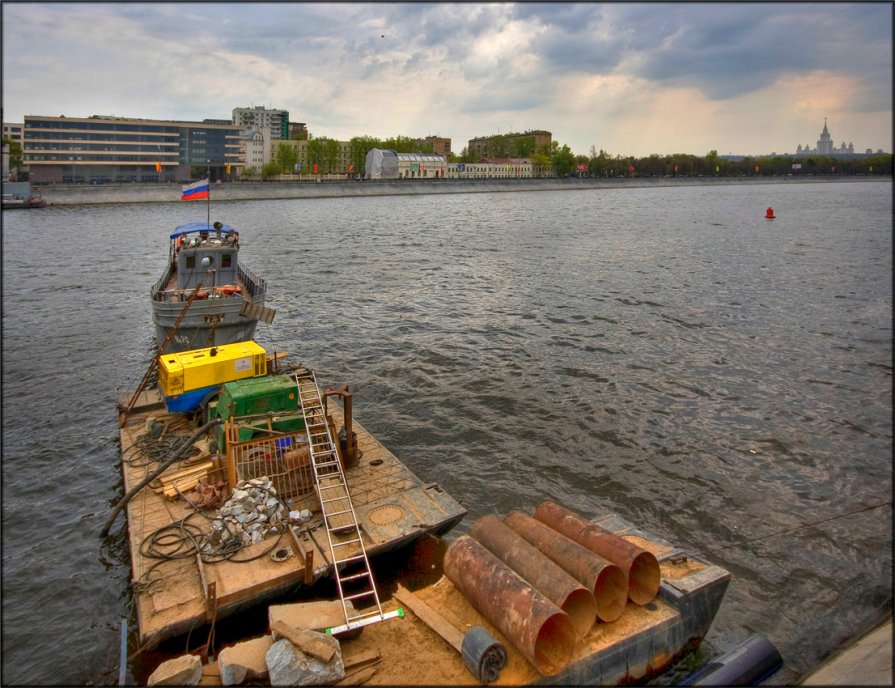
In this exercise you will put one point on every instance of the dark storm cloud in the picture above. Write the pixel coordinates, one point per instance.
(724, 50)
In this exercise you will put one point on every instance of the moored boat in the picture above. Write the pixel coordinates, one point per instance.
(226, 300)
(13, 201)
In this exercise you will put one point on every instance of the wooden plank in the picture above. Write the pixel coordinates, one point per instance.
(430, 617)
(306, 641)
(358, 677)
(361, 658)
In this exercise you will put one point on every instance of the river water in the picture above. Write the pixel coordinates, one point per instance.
(718, 379)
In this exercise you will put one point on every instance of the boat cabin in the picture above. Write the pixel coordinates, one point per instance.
(205, 256)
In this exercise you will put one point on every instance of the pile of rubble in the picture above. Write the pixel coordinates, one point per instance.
(252, 513)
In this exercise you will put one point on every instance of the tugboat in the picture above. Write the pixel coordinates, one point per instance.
(226, 300)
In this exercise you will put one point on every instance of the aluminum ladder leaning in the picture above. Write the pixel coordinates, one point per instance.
(342, 530)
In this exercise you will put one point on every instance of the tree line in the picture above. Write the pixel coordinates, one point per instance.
(602, 164)
(324, 156)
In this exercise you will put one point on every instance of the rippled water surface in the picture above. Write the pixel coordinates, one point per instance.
(668, 354)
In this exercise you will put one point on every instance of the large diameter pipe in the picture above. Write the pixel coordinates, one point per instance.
(640, 567)
(549, 578)
(602, 577)
(540, 630)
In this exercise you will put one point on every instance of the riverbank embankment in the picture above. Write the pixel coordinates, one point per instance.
(257, 191)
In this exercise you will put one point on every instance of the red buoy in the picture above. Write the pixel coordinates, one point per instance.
(769, 215)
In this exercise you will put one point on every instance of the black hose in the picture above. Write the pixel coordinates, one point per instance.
(177, 455)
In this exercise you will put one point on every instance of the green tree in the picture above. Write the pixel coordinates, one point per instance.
(286, 158)
(522, 146)
(562, 158)
(271, 169)
(406, 144)
(599, 163)
(358, 147)
(15, 153)
(325, 153)
(498, 146)
(542, 164)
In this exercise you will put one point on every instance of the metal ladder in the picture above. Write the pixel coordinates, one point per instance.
(342, 530)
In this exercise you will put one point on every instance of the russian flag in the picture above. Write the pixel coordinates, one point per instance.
(196, 191)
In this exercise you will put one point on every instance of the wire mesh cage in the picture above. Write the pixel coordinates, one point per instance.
(283, 458)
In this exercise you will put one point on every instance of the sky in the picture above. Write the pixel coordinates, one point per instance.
(631, 79)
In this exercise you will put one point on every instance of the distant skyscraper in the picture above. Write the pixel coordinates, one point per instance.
(825, 145)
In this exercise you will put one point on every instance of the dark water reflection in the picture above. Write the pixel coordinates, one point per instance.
(667, 354)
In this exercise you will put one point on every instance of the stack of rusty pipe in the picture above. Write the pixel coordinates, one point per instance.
(602, 578)
(540, 588)
(532, 565)
(535, 626)
(641, 568)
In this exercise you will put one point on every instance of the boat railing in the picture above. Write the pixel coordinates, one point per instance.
(254, 285)
(158, 287)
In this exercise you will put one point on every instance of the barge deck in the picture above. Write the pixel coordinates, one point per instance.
(175, 593)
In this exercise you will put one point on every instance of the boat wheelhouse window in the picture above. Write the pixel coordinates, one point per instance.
(227, 260)
(190, 262)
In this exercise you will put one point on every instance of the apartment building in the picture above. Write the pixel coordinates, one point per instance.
(259, 117)
(440, 145)
(480, 145)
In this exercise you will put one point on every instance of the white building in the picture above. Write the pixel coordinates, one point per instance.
(825, 145)
(14, 132)
(258, 118)
(257, 151)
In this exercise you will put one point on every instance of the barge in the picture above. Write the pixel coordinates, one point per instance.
(274, 432)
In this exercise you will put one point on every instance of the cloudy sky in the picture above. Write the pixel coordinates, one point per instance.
(633, 79)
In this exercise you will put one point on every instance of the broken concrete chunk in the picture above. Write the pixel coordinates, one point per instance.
(289, 666)
(244, 661)
(182, 671)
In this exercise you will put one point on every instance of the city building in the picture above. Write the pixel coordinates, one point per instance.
(340, 162)
(259, 117)
(14, 132)
(825, 146)
(256, 151)
(102, 149)
(384, 164)
(440, 145)
(298, 130)
(480, 146)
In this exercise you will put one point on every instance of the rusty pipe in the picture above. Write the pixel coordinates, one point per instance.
(602, 577)
(549, 578)
(540, 630)
(641, 568)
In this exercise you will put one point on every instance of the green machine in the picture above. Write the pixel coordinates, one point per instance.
(258, 403)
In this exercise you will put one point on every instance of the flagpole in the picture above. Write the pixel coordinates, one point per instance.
(208, 198)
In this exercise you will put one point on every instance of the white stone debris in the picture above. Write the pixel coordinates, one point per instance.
(252, 513)
(182, 671)
(244, 661)
(289, 666)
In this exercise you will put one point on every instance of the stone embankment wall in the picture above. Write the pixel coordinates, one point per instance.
(256, 191)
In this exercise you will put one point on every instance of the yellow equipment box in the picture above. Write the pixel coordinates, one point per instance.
(185, 377)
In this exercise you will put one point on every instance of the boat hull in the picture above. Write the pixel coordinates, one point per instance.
(195, 331)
